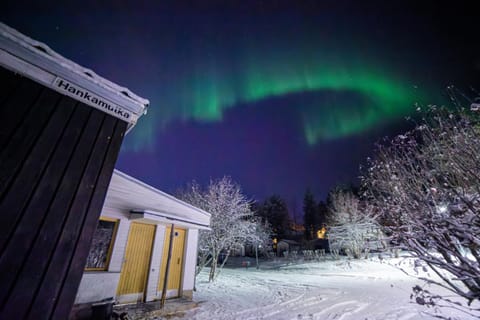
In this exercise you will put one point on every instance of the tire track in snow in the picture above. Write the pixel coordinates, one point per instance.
(285, 310)
(340, 310)
(402, 314)
(282, 305)
(369, 291)
(307, 302)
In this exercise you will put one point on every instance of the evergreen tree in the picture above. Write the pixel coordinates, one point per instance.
(274, 210)
(309, 214)
(321, 217)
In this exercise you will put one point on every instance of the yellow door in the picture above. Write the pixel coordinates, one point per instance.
(176, 262)
(134, 274)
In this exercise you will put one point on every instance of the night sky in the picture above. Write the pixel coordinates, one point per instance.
(278, 95)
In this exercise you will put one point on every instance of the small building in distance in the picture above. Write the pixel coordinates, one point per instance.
(288, 246)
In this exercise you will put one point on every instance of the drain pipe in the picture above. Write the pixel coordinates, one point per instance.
(167, 269)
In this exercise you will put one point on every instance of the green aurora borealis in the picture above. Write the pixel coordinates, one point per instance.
(388, 98)
(216, 87)
(349, 80)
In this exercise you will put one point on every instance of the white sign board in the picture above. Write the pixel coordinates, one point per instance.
(83, 95)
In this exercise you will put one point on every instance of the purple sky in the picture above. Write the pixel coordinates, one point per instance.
(184, 54)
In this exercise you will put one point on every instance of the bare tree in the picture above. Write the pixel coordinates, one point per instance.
(426, 185)
(232, 221)
(351, 229)
(344, 207)
(260, 239)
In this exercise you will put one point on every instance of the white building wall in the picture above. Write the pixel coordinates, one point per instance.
(190, 261)
(96, 286)
(119, 246)
(156, 263)
(99, 285)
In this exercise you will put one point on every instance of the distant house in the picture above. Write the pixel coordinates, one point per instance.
(287, 246)
(129, 253)
(319, 244)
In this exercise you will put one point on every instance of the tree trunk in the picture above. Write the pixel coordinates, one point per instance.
(213, 269)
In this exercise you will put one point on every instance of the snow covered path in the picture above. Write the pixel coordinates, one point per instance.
(356, 290)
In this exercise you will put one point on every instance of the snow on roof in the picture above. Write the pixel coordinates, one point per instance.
(39, 62)
(133, 195)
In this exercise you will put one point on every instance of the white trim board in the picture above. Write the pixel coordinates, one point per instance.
(165, 218)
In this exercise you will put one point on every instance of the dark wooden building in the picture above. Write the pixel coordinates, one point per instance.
(61, 132)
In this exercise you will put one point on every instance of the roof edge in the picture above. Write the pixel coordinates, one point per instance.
(159, 192)
(39, 62)
(166, 218)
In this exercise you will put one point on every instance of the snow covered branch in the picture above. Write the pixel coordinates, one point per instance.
(426, 187)
(352, 229)
(232, 221)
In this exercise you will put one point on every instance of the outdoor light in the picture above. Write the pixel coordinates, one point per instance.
(321, 233)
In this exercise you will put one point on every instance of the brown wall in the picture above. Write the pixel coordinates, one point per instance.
(56, 159)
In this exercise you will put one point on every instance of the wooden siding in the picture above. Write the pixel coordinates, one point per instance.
(175, 276)
(56, 159)
(133, 278)
(176, 262)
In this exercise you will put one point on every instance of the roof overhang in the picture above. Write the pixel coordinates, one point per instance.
(165, 218)
(38, 62)
(151, 205)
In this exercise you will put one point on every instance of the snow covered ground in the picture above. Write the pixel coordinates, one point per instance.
(340, 290)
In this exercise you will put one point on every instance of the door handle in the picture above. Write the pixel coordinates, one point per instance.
(178, 261)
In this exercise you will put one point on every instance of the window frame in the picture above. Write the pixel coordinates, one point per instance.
(110, 247)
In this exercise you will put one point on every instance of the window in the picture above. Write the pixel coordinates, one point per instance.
(102, 244)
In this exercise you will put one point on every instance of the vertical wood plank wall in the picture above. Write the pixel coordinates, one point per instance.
(56, 159)
(176, 262)
(175, 277)
(135, 270)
